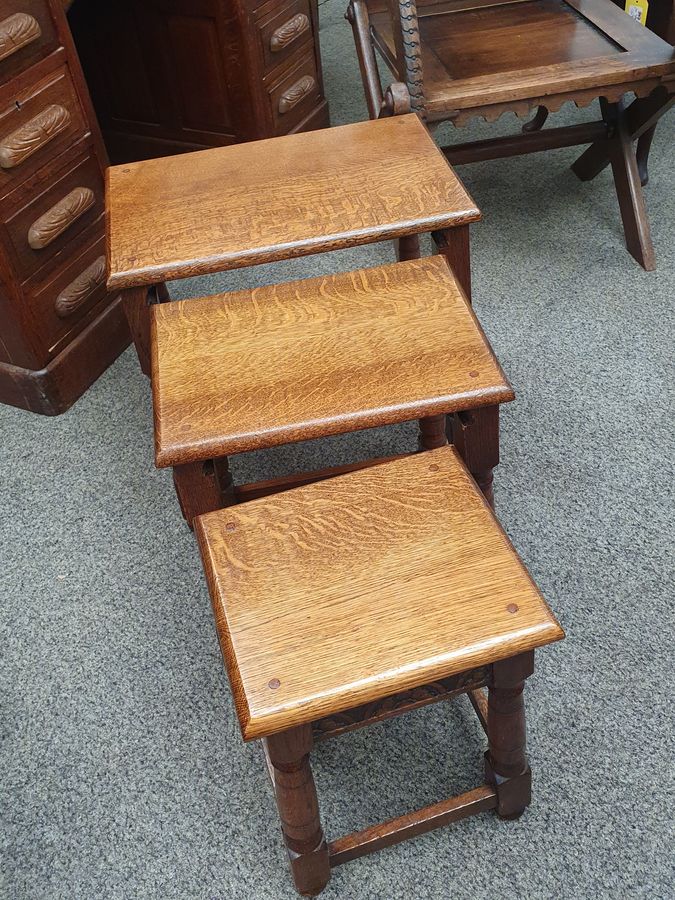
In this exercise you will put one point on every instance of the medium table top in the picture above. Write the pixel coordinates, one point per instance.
(305, 359)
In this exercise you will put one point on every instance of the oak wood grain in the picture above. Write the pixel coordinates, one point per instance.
(310, 358)
(363, 586)
(291, 196)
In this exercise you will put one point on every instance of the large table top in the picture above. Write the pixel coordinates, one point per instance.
(229, 207)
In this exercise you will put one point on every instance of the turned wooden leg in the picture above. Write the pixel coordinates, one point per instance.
(506, 765)
(408, 247)
(203, 487)
(453, 244)
(288, 758)
(432, 433)
(475, 434)
(644, 145)
(135, 303)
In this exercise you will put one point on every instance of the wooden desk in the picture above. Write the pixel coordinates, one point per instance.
(59, 327)
(170, 76)
(167, 76)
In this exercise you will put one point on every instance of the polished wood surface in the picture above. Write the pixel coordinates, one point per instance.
(310, 358)
(479, 43)
(269, 200)
(382, 580)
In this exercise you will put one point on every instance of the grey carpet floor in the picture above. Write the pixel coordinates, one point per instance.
(122, 772)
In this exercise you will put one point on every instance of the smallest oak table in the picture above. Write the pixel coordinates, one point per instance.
(355, 599)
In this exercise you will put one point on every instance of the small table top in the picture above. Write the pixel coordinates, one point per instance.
(305, 359)
(290, 196)
(362, 586)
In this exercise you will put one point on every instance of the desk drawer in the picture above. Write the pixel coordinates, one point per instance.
(284, 32)
(27, 34)
(40, 122)
(58, 217)
(56, 308)
(294, 96)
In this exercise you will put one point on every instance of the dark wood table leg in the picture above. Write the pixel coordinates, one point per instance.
(475, 434)
(640, 117)
(137, 303)
(432, 432)
(538, 122)
(408, 247)
(203, 487)
(288, 757)
(629, 188)
(432, 429)
(506, 765)
(454, 245)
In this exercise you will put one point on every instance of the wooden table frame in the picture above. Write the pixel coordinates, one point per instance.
(507, 787)
(205, 486)
(396, 186)
(645, 69)
(345, 604)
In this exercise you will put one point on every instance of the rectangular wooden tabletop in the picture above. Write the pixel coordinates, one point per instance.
(362, 586)
(306, 359)
(288, 196)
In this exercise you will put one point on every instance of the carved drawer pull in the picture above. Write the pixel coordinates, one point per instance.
(32, 136)
(16, 31)
(288, 32)
(61, 216)
(78, 292)
(295, 93)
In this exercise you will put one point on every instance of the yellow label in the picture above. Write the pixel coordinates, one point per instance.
(637, 9)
